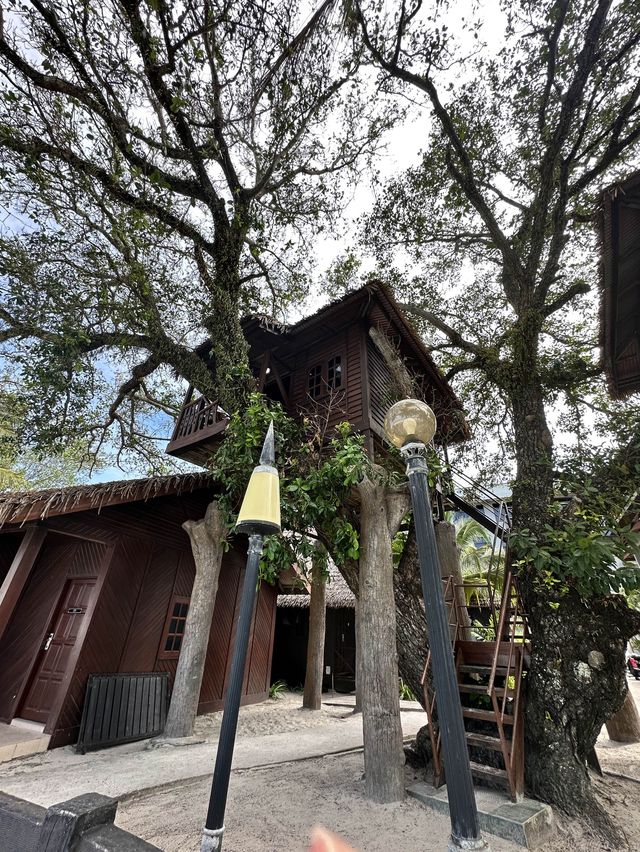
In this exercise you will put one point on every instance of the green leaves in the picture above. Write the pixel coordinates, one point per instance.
(582, 552)
(316, 476)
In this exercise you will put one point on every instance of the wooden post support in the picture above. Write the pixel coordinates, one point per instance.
(19, 572)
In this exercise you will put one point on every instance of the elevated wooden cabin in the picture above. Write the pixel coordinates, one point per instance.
(620, 282)
(329, 361)
(96, 579)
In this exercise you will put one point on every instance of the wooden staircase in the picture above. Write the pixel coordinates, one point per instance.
(489, 675)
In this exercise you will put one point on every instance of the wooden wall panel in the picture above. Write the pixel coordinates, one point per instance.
(24, 635)
(320, 353)
(104, 643)
(354, 373)
(185, 574)
(222, 632)
(159, 519)
(380, 386)
(149, 560)
(260, 668)
(145, 630)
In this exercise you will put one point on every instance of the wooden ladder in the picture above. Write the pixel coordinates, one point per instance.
(489, 675)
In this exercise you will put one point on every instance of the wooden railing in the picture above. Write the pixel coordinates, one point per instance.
(198, 416)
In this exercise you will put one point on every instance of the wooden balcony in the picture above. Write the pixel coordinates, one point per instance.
(198, 430)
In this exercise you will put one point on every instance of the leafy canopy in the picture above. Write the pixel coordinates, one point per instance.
(315, 479)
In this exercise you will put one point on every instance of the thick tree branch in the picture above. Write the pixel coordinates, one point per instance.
(563, 299)
(465, 175)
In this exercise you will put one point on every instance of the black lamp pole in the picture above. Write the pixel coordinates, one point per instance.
(465, 831)
(259, 515)
(214, 825)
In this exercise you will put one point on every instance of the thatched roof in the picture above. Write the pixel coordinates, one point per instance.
(18, 507)
(338, 593)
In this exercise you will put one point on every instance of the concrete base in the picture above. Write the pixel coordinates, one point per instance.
(20, 741)
(528, 823)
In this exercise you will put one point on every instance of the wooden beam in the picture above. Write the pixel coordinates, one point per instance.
(19, 572)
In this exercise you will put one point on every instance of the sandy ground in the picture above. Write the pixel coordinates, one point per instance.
(621, 758)
(282, 715)
(270, 733)
(273, 810)
(273, 807)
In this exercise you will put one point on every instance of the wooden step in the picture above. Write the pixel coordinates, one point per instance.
(489, 772)
(485, 741)
(481, 689)
(486, 715)
(483, 653)
(476, 668)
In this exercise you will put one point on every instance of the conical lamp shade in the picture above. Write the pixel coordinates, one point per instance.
(260, 510)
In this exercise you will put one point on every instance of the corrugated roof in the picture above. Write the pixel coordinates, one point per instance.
(22, 506)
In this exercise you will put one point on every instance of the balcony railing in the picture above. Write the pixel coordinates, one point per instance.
(198, 420)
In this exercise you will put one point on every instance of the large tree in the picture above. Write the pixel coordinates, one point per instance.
(164, 169)
(498, 217)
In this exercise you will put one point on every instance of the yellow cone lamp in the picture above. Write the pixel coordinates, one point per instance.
(260, 510)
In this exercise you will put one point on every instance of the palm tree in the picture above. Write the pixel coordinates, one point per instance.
(475, 546)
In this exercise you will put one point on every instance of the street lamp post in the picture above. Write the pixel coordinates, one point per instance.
(259, 516)
(410, 424)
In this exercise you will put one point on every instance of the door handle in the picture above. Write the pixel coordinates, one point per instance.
(48, 641)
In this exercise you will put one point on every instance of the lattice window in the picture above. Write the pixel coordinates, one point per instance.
(315, 381)
(174, 628)
(334, 372)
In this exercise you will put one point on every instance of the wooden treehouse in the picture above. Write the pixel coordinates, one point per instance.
(328, 362)
(337, 362)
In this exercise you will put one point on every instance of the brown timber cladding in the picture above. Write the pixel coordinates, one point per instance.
(141, 558)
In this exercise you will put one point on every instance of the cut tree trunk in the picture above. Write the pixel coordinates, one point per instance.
(207, 543)
(411, 627)
(380, 515)
(312, 695)
(449, 559)
(624, 726)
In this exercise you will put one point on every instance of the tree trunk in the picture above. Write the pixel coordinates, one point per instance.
(624, 726)
(411, 627)
(207, 543)
(312, 695)
(380, 516)
(576, 675)
(449, 559)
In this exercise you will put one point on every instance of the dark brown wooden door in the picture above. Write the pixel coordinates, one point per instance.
(51, 665)
(344, 657)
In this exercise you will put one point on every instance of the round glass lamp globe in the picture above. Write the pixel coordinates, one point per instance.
(410, 421)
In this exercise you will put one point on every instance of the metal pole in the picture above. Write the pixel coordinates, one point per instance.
(214, 825)
(465, 831)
